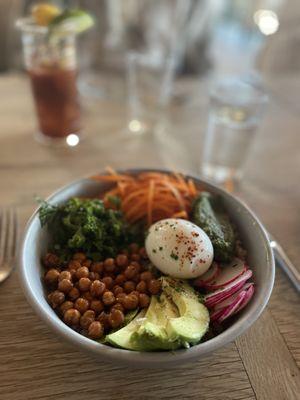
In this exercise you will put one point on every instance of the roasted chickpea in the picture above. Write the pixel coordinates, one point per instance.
(118, 306)
(129, 286)
(79, 257)
(136, 264)
(97, 288)
(134, 248)
(122, 260)
(120, 297)
(65, 285)
(130, 271)
(117, 290)
(52, 276)
(146, 276)
(56, 298)
(110, 275)
(109, 265)
(82, 272)
(135, 293)
(74, 293)
(103, 319)
(74, 264)
(136, 279)
(97, 267)
(66, 305)
(87, 318)
(51, 260)
(143, 253)
(95, 330)
(120, 279)
(108, 298)
(84, 284)
(141, 287)
(144, 300)
(130, 302)
(94, 276)
(88, 296)
(72, 273)
(72, 317)
(65, 275)
(87, 263)
(135, 257)
(82, 305)
(97, 306)
(108, 281)
(116, 318)
(154, 286)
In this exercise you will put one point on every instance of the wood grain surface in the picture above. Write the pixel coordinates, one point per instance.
(263, 364)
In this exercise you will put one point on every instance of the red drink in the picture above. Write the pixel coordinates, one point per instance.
(56, 100)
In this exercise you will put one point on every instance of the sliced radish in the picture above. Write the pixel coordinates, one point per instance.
(231, 309)
(209, 275)
(215, 315)
(213, 298)
(211, 302)
(229, 273)
(225, 303)
(247, 298)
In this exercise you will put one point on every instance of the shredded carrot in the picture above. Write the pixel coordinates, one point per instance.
(192, 186)
(150, 196)
(180, 214)
(150, 201)
(177, 194)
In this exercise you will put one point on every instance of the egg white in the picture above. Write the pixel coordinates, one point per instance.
(179, 248)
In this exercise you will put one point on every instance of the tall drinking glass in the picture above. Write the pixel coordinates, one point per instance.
(149, 82)
(51, 63)
(236, 109)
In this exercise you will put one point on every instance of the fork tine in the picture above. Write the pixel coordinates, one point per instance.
(15, 232)
(11, 234)
(3, 230)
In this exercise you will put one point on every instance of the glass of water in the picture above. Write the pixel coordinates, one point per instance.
(236, 109)
(149, 80)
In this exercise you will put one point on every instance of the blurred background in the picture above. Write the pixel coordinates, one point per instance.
(164, 56)
(220, 35)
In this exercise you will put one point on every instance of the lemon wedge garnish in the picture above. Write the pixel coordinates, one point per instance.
(44, 13)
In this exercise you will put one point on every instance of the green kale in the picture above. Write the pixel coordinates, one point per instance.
(209, 214)
(85, 225)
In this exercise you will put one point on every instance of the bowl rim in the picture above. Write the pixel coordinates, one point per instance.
(146, 358)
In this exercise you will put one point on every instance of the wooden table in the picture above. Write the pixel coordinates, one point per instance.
(262, 364)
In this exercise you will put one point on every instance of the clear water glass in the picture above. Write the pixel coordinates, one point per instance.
(149, 80)
(236, 110)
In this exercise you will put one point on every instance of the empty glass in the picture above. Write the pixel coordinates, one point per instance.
(236, 109)
(149, 86)
(158, 35)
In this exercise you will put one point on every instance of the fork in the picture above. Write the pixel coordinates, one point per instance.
(8, 241)
(285, 263)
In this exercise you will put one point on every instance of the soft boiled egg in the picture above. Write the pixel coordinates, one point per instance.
(179, 248)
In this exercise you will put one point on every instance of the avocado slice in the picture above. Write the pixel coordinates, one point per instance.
(209, 214)
(193, 321)
(174, 319)
(152, 334)
(122, 337)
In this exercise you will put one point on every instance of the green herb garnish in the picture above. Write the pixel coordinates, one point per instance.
(174, 256)
(85, 225)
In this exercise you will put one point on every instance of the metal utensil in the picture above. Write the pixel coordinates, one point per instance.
(8, 241)
(285, 263)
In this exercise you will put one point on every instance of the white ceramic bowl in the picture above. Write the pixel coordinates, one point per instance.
(260, 258)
